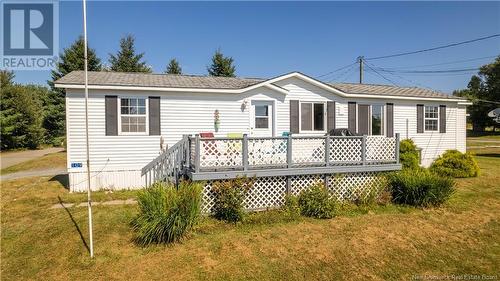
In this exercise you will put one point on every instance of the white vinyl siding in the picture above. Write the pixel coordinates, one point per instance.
(116, 161)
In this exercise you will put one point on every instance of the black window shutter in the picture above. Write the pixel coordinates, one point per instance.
(294, 116)
(363, 119)
(351, 116)
(390, 119)
(111, 115)
(330, 116)
(442, 118)
(154, 116)
(420, 118)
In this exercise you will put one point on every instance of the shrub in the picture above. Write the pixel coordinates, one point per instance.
(455, 164)
(291, 207)
(420, 187)
(166, 213)
(229, 197)
(408, 154)
(317, 203)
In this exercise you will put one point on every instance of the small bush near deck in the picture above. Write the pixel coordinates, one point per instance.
(420, 187)
(317, 203)
(408, 154)
(229, 197)
(456, 164)
(166, 213)
(291, 207)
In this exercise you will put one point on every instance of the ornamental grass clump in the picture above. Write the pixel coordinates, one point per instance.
(316, 202)
(420, 187)
(229, 198)
(166, 213)
(408, 154)
(456, 164)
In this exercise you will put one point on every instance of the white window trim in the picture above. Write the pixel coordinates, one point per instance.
(120, 133)
(437, 118)
(312, 117)
(272, 118)
(269, 116)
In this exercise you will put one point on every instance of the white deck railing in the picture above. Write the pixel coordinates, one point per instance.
(251, 153)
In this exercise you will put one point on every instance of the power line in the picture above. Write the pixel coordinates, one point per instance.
(430, 71)
(437, 64)
(343, 67)
(434, 48)
(379, 74)
(487, 101)
(343, 74)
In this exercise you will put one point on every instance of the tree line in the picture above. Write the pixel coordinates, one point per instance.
(484, 92)
(34, 115)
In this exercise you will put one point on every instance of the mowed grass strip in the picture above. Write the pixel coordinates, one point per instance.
(380, 243)
(49, 161)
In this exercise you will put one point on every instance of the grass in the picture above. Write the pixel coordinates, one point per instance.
(381, 243)
(52, 160)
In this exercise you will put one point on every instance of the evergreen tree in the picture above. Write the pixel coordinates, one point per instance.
(6, 78)
(71, 59)
(221, 65)
(173, 67)
(22, 116)
(126, 60)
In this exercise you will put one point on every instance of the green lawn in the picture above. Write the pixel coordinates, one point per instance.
(383, 243)
(52, 160)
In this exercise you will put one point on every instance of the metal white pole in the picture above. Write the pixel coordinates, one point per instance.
(87, 125)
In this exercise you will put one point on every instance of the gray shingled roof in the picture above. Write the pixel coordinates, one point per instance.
(157, 80)
(209, 82)
(371, 89)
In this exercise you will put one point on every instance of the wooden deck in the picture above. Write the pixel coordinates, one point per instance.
(222, 158)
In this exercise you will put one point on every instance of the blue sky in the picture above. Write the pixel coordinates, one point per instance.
(271, 38)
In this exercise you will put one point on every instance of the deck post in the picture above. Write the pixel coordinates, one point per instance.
(288, 184)
(197, 153)
(363, 150)
(327, 150)
(185, 156)
(397, 148)
(289, 160)
(244, 152)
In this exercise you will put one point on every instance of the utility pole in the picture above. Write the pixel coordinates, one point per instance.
(360, 60)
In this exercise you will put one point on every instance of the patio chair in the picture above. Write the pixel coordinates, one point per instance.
(234, 147)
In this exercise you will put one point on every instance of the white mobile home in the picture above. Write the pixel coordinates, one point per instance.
(134, 117)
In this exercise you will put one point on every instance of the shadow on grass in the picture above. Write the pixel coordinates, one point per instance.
(75, 224)
(63, 179)
(488, 154)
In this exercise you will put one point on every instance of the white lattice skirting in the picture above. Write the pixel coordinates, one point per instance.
(269, 192)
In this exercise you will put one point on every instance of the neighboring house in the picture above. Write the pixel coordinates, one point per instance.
(133, 116)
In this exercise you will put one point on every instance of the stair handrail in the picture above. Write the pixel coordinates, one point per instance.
(160, 165)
